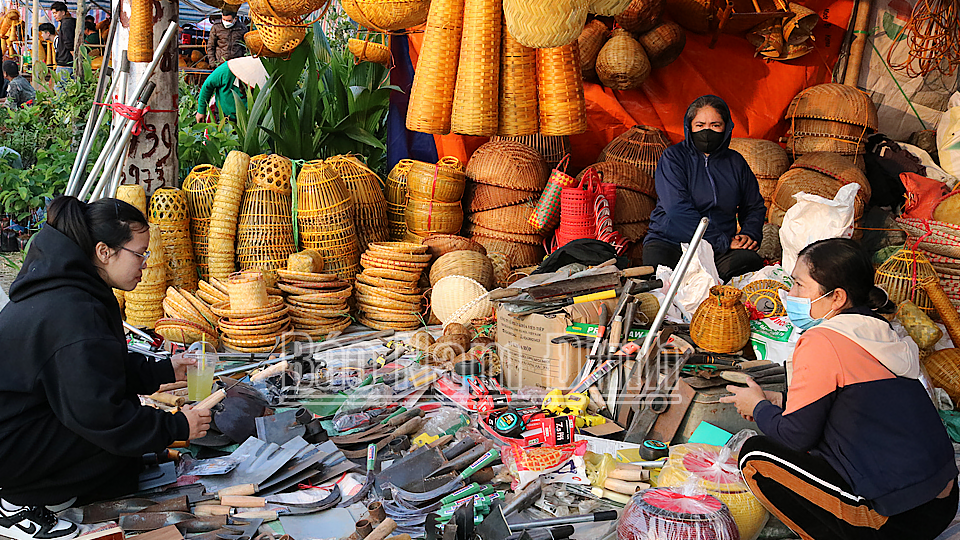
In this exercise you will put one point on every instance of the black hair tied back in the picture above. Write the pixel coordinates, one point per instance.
(840, 263)
(110, 221)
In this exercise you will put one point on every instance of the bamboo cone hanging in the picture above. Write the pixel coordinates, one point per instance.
(475, 101)
(518, 98)
(140, 47)
(431, 97)
(563, 109)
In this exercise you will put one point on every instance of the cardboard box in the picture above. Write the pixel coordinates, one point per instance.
(526, 353)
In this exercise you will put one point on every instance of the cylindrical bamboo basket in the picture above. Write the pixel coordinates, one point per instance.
(200, 186)
(641, 16)
(431, 97)
(545, 23)
(143, 305)
(943, 366)
(387, 15)
(435, 181)
(476, 97)
(223, 217)
(663, 44)
(135, 195)
(279, 34)
(508, 164)
(563, 108)
(140, 46)
(622, 63)
(518, 98)
(265, 230)
(325, 218)
(168, 209)
(640, 146)
(426, 217)
(247, 290)
(395, 193)
(369, 203)
(591, 40)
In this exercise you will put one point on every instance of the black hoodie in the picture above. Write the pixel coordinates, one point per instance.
(68, 393)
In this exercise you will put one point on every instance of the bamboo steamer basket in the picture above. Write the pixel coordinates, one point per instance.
(663, 44)
(395, 193)
(641, 16)
(287, 8)
(480, 197)
(640, 146)
(265, 230)
(698, 16)
(590, 41)
(471, 264)
(200, 186)
(836, 102)
(511, 219)
(551, 148)
(168, 209)
(943, 366)
(369, 51)
(459, 299)
(431, 97)
(622, 63)
(279, 34)
(387, 15)
(721, 323)
(441, 244)
(435, 181)
(369, 203)
(426, 217)
(135, 195)
(518, 98)
(545, 23)
(223, 217)
(256, 47)
(247, 291)
(625, 176)
(476, 98)
(143, 305)
(518, 254)
(509, 165)
(325, 218)
(607, 8)
(902, 275)
(563, 108)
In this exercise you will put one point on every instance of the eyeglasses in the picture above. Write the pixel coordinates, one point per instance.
(145, 255)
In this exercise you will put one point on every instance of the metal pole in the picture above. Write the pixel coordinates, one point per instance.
(128, 125)
(83, 153)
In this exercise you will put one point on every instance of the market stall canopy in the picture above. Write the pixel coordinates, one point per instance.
(191, 11)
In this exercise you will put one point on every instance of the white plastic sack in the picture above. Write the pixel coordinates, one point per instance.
(933, 170)
(695, 287)
(774, 272)
(816, 218)
(948, 137)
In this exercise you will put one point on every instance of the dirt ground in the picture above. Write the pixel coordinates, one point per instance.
(7, 273)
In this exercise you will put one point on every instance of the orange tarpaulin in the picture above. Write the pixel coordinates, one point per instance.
(758, 91)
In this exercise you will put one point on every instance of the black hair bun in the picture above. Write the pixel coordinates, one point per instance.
(879, 301)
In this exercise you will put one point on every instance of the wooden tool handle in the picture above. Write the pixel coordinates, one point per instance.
(265, 515)
(211, 400)
(212, 510)
(167, 387)
(630, 474)
(383, 530)
(627, 488)
(168, 399)
(500, 294)
(243, 501)
(239, 489)
(409, 427)
(638, 271)
(275, 369)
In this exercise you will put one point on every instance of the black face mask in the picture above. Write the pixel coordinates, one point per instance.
(708, 140)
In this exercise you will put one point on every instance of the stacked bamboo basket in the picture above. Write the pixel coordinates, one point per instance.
(635, 201)
(395, 192)
(433, 205)
(387, 291)
(136, 196)
(325, 218)
(317, 302)
(265, 222)
(822, 174)
(187, 319)
(143, 305)
(370, 206)
(768, 161)
(506, 179)
(250, 319)
(168, 210)
(199, 186)
(831, 118)
(552, 148)
(221, 237)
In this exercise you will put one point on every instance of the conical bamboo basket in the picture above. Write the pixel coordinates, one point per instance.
(518, 98)
(591, 40)
(563, 108)
(369, 203)
(622, 63)
(325, 217)
(200, 186)
(168, 209)
(431, 97)
(476, 97)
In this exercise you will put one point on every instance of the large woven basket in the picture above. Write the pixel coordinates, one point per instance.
(459, 299)
(472, 229)
(508, 164)
(223, 218)
(369, 203)
(622, 63)
(766, 159)
(395, 192)
(325, 218)
(545, 23)
(837, 102)
(431, 97)
(518, 98)
(640, 146)
(265, 230)
(698, 16)
(663, 44)
(439, 245)
(387, 15)
(279, 34)
(552, 148)
(471, 264)
(590, 41)
(200, 186)
(563, 108)
(721, 323)
(168, 209)
(510, 219)
(143, 305)
(944, 369)
(287, 8)
(518, 254)
(902, 275)
(821, 174)
(426, 217)
(476, 99)
(435, 181)
(480, 197)
(641, 16)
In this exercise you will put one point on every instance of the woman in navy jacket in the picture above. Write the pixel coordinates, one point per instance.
(703, 177)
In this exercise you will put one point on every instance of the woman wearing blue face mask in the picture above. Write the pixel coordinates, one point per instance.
(859, 451)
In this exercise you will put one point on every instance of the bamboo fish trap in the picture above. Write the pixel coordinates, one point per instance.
(369, 203)
(168, 209)
(265, 225)
(200, 187)
(396, 195)
(325, 217)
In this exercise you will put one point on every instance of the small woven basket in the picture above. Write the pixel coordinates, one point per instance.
(431, 97)
(271, 171)
(640, 146)
(459, 299)
(441, 244)
(248, 291)
(395, 192)
(369, 202)
(663, 44)
(545, 23)
(766, 159)
(369, 51)
(325, 218)
(622, 63)
(279, 34)
(591, 40)
(563, 108)
(551, 148)
(168, 209)
(435, 181)
(641, 16)
(223, 218)
(264, 230)
(764, 295)
(943, 366)
(471, 264)
(387, 15)
(508, 164)
(721, 323)
(308, 260)
(476, 97)
(425, 217)
(546, 214)
(135, 195)
(257, 48)
(901, 277)
(518, 98)
(287, 8)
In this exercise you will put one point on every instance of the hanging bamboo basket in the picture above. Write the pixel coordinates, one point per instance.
(279, 34)
(140, 46)
(591, 40)
(622, 63)
(369, 51)
(431, 97)
(518, 98)
(387, 15)
(563, 108)
(663, 44)
(476, 97)
(287, 8)
(257, 48)
(641, 16)
(545, 23)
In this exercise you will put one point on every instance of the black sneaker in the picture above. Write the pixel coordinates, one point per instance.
(33, 523)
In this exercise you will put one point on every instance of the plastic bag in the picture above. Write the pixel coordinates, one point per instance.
(948, 137)
(554, 463)
(816, 218)
(774, 272)
(713, 470)
(701, 275)
(668, 513)
(773, 339)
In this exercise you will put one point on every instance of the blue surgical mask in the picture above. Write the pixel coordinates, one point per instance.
(798, 310)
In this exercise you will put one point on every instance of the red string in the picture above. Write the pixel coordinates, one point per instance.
(132, 113)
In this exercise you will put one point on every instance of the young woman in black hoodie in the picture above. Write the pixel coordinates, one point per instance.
(71, 424)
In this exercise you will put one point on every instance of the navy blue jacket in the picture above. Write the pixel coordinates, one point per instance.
(692, 185)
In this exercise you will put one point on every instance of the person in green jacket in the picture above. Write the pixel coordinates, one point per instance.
(222, 85)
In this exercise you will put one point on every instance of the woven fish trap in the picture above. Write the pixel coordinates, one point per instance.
(518, 98)
(279, 34)
(425, 217)
(551, 148)
(640, 146)
(471, 264)
(698, 16)
(663, 44)
(511, 219)
(369, 203)
(256, 47)
(476, 96)
(837, 102)
(199, 187)
(395, 192)
(168, 209)
(625, 176)
(387, 15)
(223, 217)
(431, 97)
(369, 51)
(480, 197)
(545, 23)
(265, 230)
(508, 164)
(325, 217)
(135, 195)
(641, 16)
(563, 108)
(902, 275)
(271, 171)
(437, 182)
(944, 369)
(590, 41)
(766, 159)
(721, 323)
(287, 8)
(622, 63)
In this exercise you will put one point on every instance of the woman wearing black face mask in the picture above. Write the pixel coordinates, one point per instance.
(703, 177)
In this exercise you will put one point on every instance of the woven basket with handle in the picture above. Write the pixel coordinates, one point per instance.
(369, 51)
(435, 181)
(721, 323)
(546, 214)
(471, 264)
(431, 97)
(563, 108)
(518, 98)
(545, 23)
(425, 217)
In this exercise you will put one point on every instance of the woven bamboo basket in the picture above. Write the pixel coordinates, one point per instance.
(279, 34)
(545, 23)
(467, 263)
(901, 277)
(508, 164)
(641, 16)
(325, 218)
(823, 129)
(271, 171)
(632, 207)
(663, 44)
(370, 204)
(248, 291)
(200, 186)
(640, 146)
(431, 97)
(140, 47)
(518, 98)
(622, 63)
(441, 244)
(287, 8)
(264, 230)
(608, 8)
(551, 148)
(837, 102)
(698, 16)
(480, 197)
(425, 217)
(308, 260)
(387, 15)
(944, 369)
(721, 323)
(518, 254)
(800, 145)
(223, 218)
(472, 229)
(945, 309)
(256, 47)
(185, 332)
(766, 159)
(625, 176)
(590, 41)
(563, 108)
(799, 28)
(369, 51)
(476, 98)
(135, 195)
(511, 219)
(143, 305)
(796, 180)
(435, 181)
(395, 192)
(168, 209)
